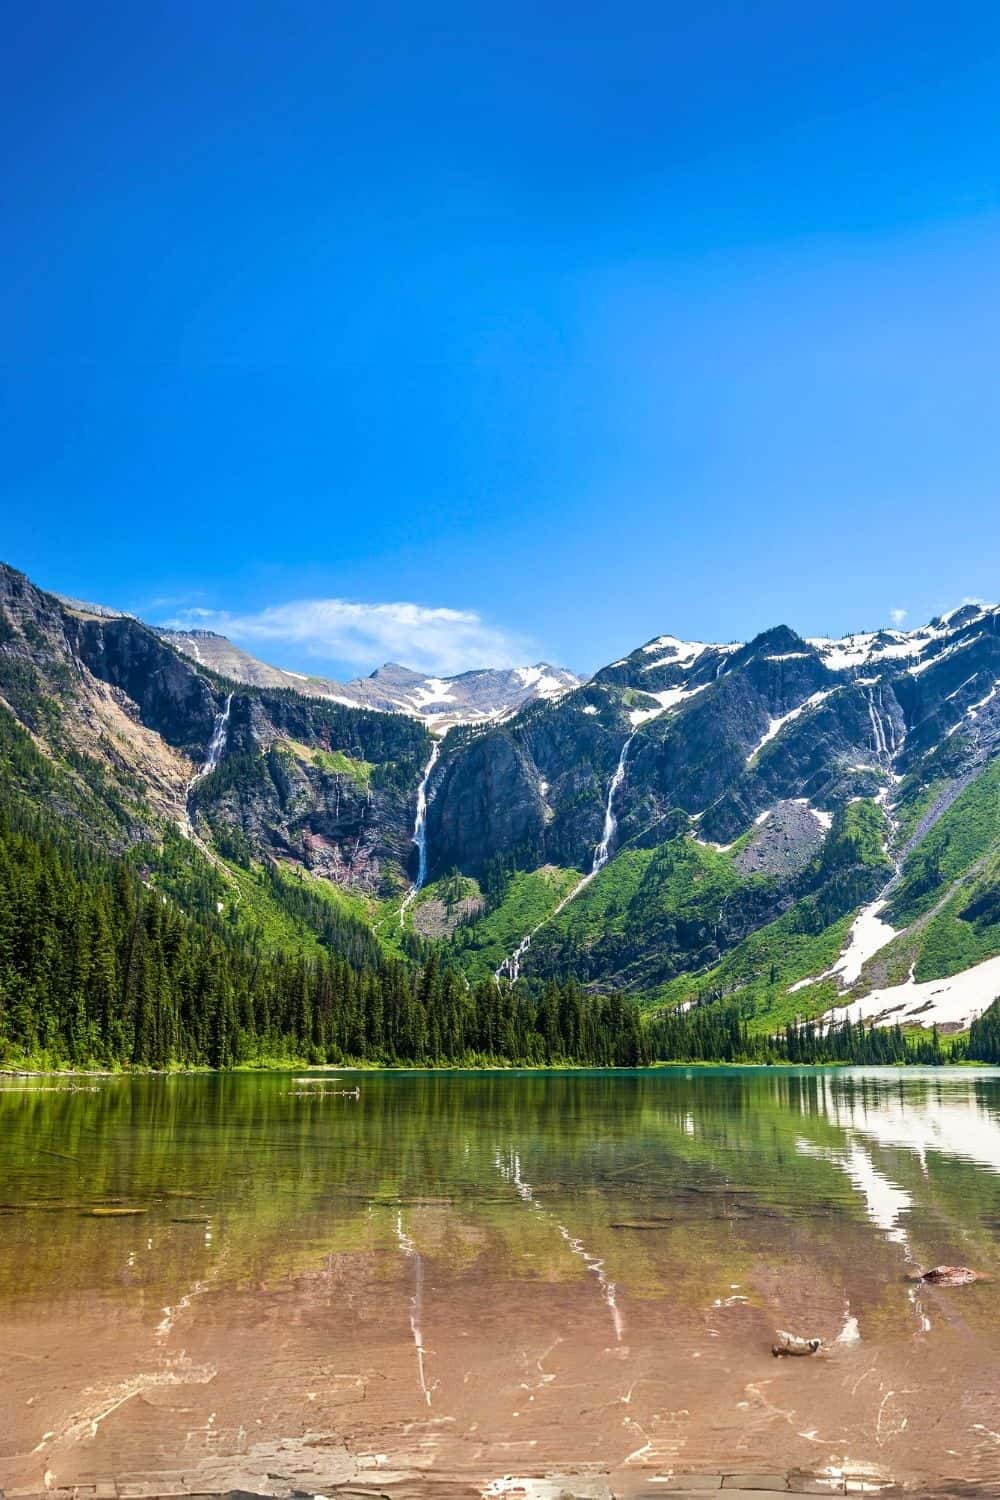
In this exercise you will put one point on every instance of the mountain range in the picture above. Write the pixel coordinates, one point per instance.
(798, 827)
(442, 702)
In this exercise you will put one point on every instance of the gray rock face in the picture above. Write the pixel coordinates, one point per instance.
(310, 782)
(784, 843)
(176, 702)
(320, 785)
(742, 729)
(489, 693)
(771, 740)
(533, 790)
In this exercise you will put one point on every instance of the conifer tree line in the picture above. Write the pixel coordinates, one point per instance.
(718, 1033)
(984, 1036)
(96, 967)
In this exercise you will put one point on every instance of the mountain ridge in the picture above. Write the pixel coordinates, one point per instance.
(793, 825)
(442, 702)
(471, 696)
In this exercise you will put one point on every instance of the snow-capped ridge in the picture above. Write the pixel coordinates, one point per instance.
(849, 652)
(478, 696)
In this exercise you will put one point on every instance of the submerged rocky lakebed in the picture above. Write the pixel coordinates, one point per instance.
(270, 1282)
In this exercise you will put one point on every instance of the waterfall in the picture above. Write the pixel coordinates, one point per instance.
(216, 745)
(888, 720)
(420, 831)
(881, 719)
(511, 966)
(610, 821)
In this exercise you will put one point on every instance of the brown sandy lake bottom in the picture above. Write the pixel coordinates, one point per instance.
(473, 1279)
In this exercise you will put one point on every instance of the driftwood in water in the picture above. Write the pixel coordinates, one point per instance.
(789, 1343)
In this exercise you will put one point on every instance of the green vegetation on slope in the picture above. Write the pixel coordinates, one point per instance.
(947, 903)
(757, 975)
(96, 967)
(962, 836)
(661, 920)
(529, 898)
(965, 931)
(659, 907)
(805, 940)
(77, 789)
(333, 761)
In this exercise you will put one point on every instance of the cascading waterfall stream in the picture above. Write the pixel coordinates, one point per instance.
(420, 832)
(511, 967)
(883, 727)
(216, 745)
(610, 821)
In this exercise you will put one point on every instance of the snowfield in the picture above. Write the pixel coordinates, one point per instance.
(953, 1001)
(867, 936)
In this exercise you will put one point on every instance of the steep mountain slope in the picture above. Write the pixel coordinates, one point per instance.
(746, 771)
(489, 693)
(255, 773)
(794, 826)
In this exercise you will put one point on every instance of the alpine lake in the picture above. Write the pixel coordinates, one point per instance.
(438, 1282)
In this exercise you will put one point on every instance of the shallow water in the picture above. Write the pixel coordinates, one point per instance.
(480, 1275)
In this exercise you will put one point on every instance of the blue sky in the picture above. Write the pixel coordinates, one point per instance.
(556, 326)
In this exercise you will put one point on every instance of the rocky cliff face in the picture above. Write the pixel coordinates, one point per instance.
(177, 703)
(533, 789)
(740, 729)
(736, 789)
(306, 781)
(311, 783)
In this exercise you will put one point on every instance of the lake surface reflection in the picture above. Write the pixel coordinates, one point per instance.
(261, 1281)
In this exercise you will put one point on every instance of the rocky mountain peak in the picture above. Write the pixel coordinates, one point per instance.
(395, 672)
(777, 641)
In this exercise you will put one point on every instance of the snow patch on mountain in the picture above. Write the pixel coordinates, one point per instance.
(775, 726)
(678, 653)
(944, 655)
(667, 698)
(543, 682)
(675, 651)
(850, 652)
(867, 936)
(954, 1001)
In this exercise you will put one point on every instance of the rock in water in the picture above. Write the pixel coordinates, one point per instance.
(948, 1276)
(789, 1343)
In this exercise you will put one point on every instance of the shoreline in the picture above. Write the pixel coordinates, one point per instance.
(323, 1069)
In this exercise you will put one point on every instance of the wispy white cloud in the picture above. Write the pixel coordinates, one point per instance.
(437, 641)
(897, 616)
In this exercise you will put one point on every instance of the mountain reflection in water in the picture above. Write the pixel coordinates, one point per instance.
(506, 1273)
